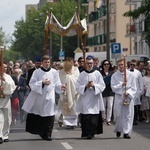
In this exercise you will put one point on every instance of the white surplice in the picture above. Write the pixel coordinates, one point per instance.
(41, 99)
(123, 115)
(90, 100)
(139, 85)
(5, 106)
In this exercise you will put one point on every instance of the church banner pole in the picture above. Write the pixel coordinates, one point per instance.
(81, 38)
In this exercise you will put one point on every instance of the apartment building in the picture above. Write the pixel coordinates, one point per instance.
(136, 30)
(119, 27)
(42, 2)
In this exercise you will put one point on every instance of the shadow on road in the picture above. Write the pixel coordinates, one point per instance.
(142, 129)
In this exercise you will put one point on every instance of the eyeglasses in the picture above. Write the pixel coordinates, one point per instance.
(106, 64)
(89, 63)
(132, 65)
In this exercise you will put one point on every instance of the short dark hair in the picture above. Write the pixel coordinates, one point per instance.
(134, 61)
(45, 57)
(79, 59)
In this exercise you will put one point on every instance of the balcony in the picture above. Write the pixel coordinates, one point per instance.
(101, 39)
(96, 40)
(93, 16)
(136, 29)
(132, 2)
(97, 15)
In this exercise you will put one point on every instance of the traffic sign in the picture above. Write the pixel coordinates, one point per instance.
(115, 50)
(61, 55)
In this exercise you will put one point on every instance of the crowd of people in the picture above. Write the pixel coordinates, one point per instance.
(80, 93)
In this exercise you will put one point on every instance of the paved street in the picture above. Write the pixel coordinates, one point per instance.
(70, 139)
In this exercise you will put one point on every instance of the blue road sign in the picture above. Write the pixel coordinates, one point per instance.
(116, 50)
(61, 55)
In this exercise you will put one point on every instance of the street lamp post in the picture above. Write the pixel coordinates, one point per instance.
(78, 38)
(108, 35)
(61, 44)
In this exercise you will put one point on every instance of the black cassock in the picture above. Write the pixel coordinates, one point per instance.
(91, 124)
(42, 126)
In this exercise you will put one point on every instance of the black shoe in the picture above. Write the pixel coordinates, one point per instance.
(71, 127)
(118, 134)
(1, 140)
(6, 140)
(135, 123)
(126, 136)
(89, 137)
(48, 139)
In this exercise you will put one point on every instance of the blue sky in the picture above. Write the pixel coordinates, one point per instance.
(11, 11)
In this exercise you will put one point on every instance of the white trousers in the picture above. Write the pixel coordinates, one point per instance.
(108, 104)
(5, 121)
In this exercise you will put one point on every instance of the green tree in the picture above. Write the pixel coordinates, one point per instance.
(2, 35)
(29, 34)
(4, 39)
(144, 11)
(10, 55)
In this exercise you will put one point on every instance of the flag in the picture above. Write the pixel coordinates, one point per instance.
(98, 3)
(84, 26)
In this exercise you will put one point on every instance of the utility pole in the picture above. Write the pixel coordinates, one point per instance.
(51, 46)
(51, 42)
(108, 33)
(78, 38)
(61, 44)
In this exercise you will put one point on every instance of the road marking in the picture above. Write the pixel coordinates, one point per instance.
(66, 145)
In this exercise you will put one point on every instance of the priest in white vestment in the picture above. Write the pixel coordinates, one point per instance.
(123, 112)
(40, 103)
(68, 100)
(90, 86)
(7, 87)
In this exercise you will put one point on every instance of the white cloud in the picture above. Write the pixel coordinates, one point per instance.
(11, 11)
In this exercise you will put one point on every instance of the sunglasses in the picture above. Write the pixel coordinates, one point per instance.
(106, 64)
(89, 63)
(132, 65)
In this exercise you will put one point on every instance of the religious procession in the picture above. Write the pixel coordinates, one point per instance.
(40, 93)
(87, 93)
